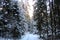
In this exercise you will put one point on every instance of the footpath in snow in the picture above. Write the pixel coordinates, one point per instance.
(29, 36)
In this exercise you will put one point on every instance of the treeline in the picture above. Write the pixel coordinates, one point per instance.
(48, 21)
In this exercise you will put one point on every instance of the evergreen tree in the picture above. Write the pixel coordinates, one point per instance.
(10, 17)
(40, 15)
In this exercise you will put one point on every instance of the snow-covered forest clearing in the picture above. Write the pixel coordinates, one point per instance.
(29, 20)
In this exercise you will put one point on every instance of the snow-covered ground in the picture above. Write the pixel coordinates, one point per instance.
(27, 36)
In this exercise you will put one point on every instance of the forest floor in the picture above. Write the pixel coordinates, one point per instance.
(27, 36)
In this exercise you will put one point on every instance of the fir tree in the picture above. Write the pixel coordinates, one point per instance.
(10, 16)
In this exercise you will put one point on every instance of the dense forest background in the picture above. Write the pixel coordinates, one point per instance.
(48, 19)
(46, 16)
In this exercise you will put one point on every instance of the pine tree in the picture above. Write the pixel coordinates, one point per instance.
(10, 17)
(41, 16)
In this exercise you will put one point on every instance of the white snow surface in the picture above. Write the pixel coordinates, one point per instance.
(27, 36)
